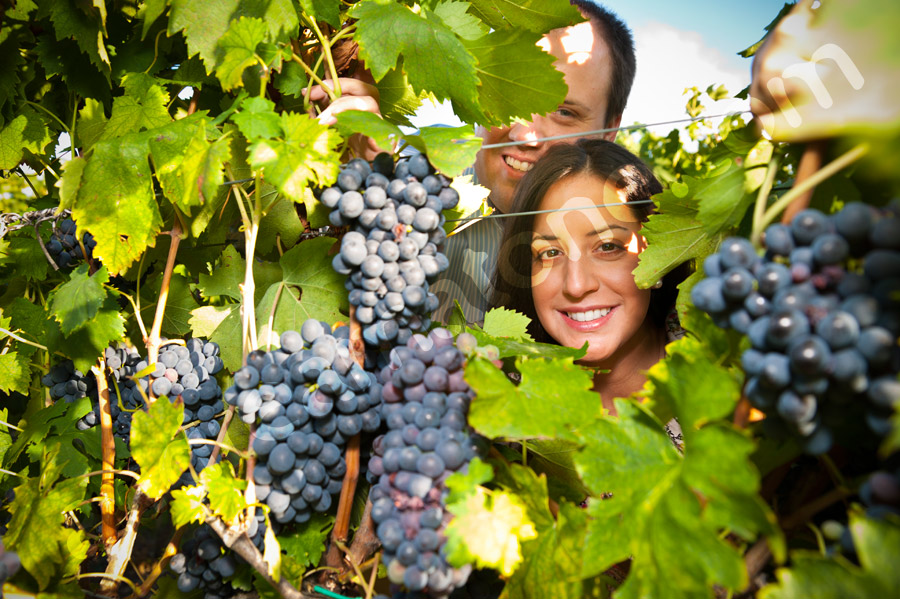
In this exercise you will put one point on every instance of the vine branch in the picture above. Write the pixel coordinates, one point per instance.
(153, 341)
(108, 449)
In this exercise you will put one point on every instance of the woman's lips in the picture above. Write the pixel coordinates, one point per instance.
(587, 320)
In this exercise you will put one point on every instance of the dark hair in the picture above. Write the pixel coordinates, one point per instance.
(621, 45)
(605, 159)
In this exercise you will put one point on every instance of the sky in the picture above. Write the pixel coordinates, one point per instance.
(678, 45)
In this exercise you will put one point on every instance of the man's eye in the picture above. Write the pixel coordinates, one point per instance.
(565, 112)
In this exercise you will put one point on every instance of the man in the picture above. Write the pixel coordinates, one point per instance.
(597, 60)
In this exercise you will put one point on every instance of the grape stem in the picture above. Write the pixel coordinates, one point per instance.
(229, 414)
(108, 449)
(759, 212)
(153, 341)
(326, 52)
(170, 550)
(802, 187)
(365, 543)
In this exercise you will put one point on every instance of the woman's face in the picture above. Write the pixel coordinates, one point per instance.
(582, 262)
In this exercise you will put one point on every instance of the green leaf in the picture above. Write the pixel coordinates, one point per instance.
(463, 484)
(305, 155)
(450, 149)
(86, 344)
(674, 236)
(397, 98)
(36, 532)
(666, 504)
(556, 459)
(29, 131)
(323, 10)
(257, 119)
(24, 257)
(70, 182)
(501, 322)
(812, 575)
(224, 491)
(308, 266)
(280, 224)
(91, 123)
(189, 168)
(204, 24)
(150, 11)
(226, 277)
(721, 196)
(221, 325)
(272, 553)
(455, 16)
(308, 544)
(86, 28)
(238, 50)
(144, 106)
(15, 375)
(188, 506)
(158, 448)
(116, 202)
(384, 133)
(538, 16)
(552, 561)
(434, 58)
(75, 303)
(530, 489)
(517, 78)
(553, 399)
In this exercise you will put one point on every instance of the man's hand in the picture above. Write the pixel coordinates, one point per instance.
(355, 95)
(828, 71)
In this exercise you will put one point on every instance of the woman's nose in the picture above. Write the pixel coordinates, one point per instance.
(581, 277)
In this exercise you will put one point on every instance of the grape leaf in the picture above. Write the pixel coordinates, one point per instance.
(323, 10)
(487, 530)
(224, 491)
(538, 16)
(116, 202)
(305, 155)
(36, 533)
(461, 484)
(384, 133)
(552, 561)
(517, 78)
(11, 61)
(29, 131)
(281, 224)
(70, 182)
(308, 266)
(555, 459)
(397, 98)
(24, 255)
(666, 504)
(450, 149)
(307, 544)
(158, 447)
(144, 106)
(86, 29)
(553, 399)
(222, 325)
(434, 59)
(238, 50)
(15, 375)
(812, 575)
(188, 506)
(455, 16)
(204, 23)
(501, 322)
(674, 236)
(77, 301)
(721, 195)
(150, 11)
(529, 488)
(257, 119)
(226, 277)
(86, 344)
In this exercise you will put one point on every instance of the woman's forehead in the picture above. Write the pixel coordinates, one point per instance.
(585, 199)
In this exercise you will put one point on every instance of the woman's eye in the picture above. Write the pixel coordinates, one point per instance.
(548, 254)
(610, 247)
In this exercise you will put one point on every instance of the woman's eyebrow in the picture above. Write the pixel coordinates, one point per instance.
(542, 237)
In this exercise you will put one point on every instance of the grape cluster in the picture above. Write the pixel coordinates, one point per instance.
(205, 563)
(425, 402)
(65, 247)
(188, 371)
(822, 314)
(393, 249)
(9, 564)
(66, 383)
(310, 398)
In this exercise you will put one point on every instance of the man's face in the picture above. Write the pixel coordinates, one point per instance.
(583, 57)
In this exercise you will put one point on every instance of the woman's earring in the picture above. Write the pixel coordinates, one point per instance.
(658, 284)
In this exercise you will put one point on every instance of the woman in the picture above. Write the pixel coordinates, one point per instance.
(577, 261)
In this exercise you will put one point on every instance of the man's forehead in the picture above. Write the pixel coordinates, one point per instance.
(573, 44)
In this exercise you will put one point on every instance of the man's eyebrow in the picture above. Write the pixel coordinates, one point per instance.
(573, 104)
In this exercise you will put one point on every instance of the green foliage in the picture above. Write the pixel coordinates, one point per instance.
(158, 447)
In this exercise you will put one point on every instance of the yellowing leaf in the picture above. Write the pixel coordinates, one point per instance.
(488, 529)
(187, 506)
(238, 49)
(225, 492)
(158, 447)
